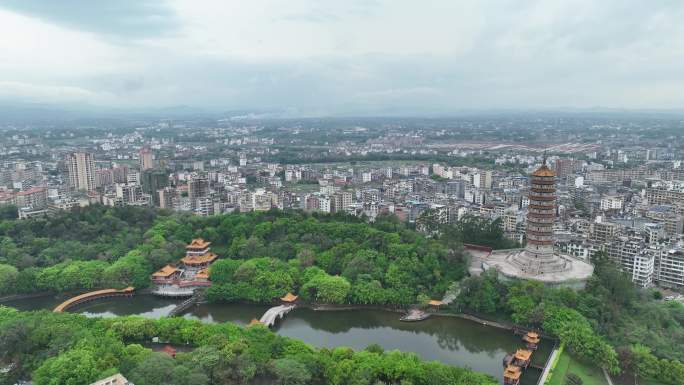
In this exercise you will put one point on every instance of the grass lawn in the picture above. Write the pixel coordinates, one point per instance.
(590, 375)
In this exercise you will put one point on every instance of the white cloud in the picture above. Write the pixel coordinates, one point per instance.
(347, 56)
(44, 93)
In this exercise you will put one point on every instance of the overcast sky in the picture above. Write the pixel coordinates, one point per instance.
(344, 56)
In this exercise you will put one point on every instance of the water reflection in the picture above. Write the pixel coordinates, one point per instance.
(450, 340)
(48, 302)
(142, 305)
(238, 313)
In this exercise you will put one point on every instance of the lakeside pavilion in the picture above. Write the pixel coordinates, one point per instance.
(512, 375)
(191, 273)
(289, 299)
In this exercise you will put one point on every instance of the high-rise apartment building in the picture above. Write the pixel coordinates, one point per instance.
(198, 187)
(340, 201)
(670, 268)
(564, 167)
(146, 158)
(104, 177)
(152, 181)
(166, 198)
(81, 166)
(120, 174)
(633, 257)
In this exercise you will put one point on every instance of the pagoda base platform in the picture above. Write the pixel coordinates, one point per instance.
(553, 270)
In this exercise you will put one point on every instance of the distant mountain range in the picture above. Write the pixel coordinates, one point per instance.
(51, 112)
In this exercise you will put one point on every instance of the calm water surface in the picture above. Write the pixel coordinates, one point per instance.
(450, 340)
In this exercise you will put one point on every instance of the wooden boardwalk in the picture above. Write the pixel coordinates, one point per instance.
(273, 314)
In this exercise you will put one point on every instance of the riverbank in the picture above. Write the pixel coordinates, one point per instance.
(17, 297)
(466, 316)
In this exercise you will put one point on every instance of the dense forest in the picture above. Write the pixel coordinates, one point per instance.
(63, 348)
(76, 250)
(326, 258)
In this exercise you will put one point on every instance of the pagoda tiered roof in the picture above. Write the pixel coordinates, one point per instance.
(198, 243)
(203, 259)
(544, 171)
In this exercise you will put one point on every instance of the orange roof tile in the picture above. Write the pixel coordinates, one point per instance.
(255, 321)
(434, 302)
(203, 274)
(289, 297)
(512, 372)
(544, 170)
(531, 337)
(165, 271)
(523, 354)
(198, 243)
(199, 259)
(169, 349)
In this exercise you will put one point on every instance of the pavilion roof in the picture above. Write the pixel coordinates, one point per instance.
(512, 372)
(165, 271)
(289, 297)
(434, 302)
(523, 354)
(255, 321)
(169, 349)
(198, 243)
(531, 337)
(199, 259)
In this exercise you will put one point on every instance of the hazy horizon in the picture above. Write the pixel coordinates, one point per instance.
(304, 58)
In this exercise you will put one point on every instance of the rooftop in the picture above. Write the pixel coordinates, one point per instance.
(512, 372)
(544, 171)
(165, 271)
(198, 243)
(523, 354)
(289, 297)
(199, 259)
